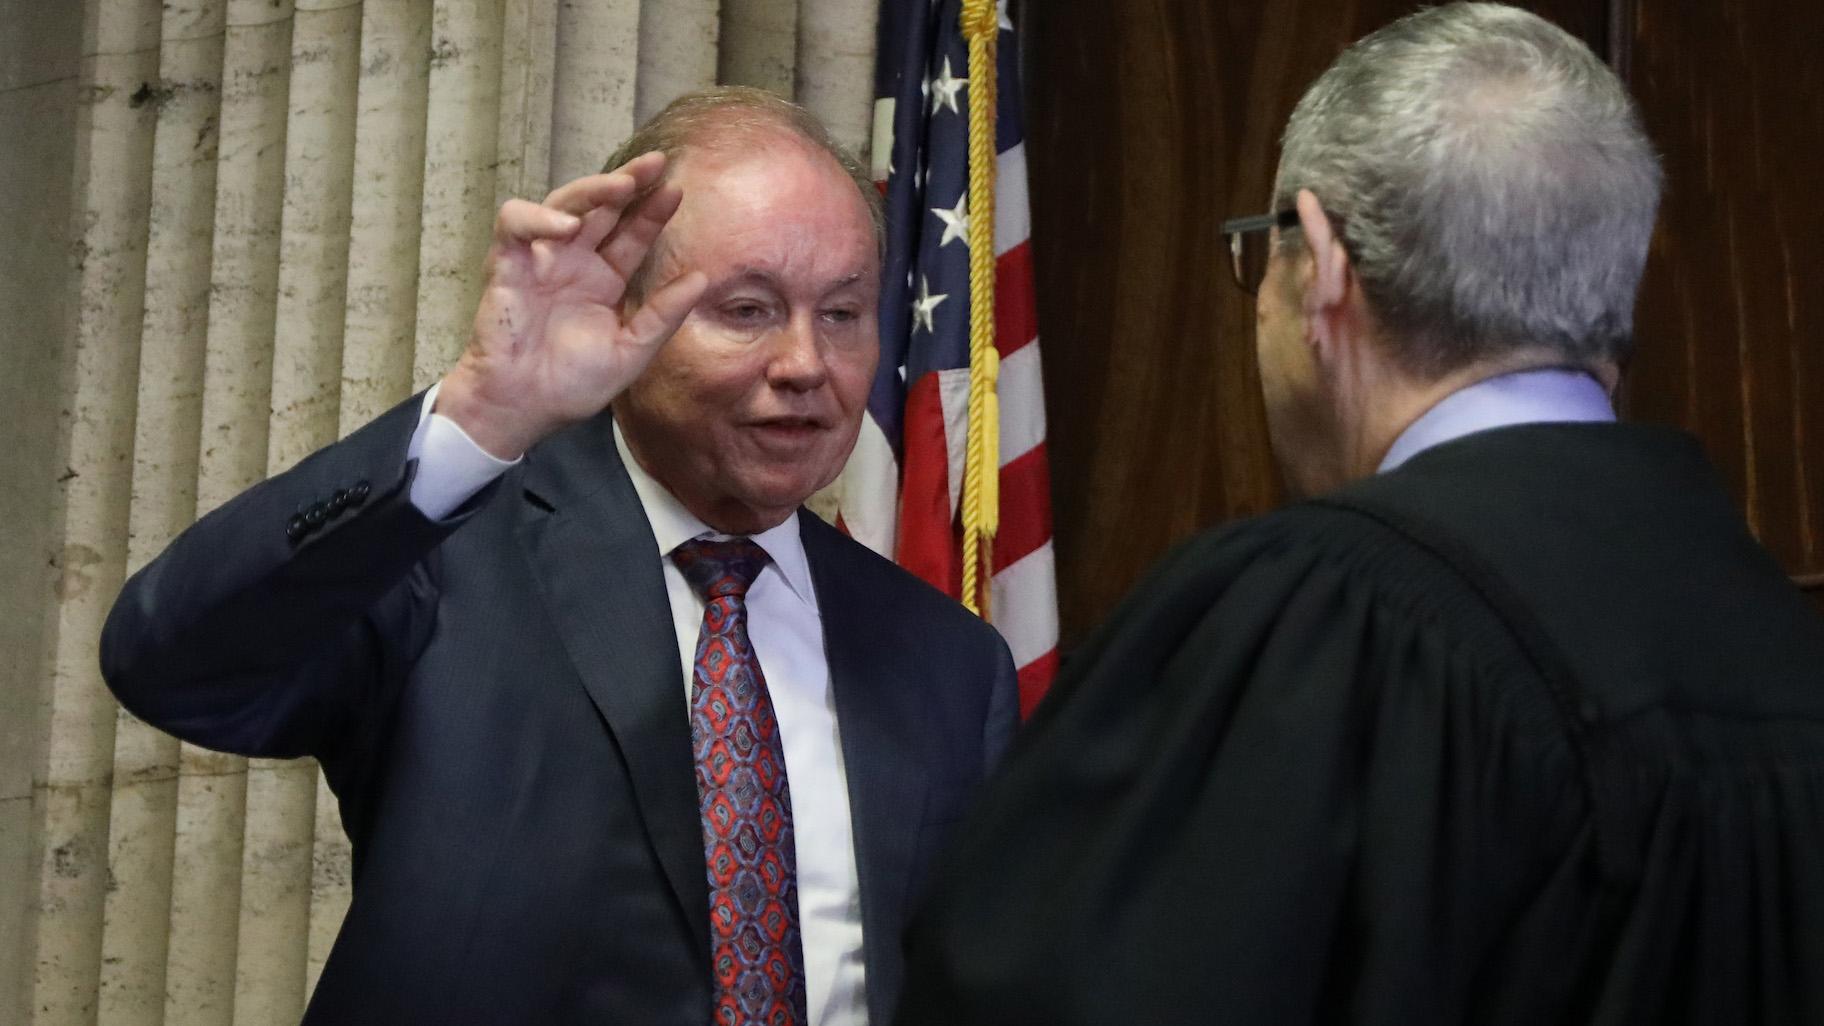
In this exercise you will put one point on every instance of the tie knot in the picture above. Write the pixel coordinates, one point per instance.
(718, 568)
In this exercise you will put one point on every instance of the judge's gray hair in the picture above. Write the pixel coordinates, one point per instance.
(1490, 180)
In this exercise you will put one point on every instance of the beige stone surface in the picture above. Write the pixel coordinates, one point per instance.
(598, 46)
(113, 138)
(528, 67)
(384, 229)
(314, 233)
(40, 56)
(179, 250)
(72, 868)
(17, 836)
(173, 344)
(205, 888)
(835, 79)
(275, 892)
(460, 148)
(678, 40)
(759, 44)
(137, 912)
(244, 275)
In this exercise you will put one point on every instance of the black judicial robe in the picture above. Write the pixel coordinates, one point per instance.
(1529, 730)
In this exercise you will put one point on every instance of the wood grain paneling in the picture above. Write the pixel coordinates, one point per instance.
(1150, 122)
(1731, 321)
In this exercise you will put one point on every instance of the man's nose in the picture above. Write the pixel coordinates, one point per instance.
(797, 357)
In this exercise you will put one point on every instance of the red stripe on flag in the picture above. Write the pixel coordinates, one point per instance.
(927, 543)
(1016, 319)
(1035, 679)
(1025, 508)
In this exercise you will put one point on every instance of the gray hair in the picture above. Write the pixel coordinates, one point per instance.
(1490, 180)
(729, 119)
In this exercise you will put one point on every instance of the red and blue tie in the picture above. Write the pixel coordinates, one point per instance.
(757, 956)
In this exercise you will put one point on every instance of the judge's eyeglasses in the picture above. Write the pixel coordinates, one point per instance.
(1250, 244)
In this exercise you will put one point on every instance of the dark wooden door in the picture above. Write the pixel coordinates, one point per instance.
(1731, 317)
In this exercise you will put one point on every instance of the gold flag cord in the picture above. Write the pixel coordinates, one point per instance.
(982, 455)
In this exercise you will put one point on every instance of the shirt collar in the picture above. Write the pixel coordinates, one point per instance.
(673, 525)
(1552, 395)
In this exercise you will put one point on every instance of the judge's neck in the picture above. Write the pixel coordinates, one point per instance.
(1392, 400)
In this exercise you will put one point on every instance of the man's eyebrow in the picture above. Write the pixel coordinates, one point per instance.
(751, 275)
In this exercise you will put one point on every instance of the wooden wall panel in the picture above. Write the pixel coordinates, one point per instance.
(1149, 123)
(1731, 322)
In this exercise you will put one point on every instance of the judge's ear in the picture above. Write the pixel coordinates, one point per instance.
(1328, 293)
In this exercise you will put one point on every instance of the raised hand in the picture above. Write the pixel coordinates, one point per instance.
(550, 345)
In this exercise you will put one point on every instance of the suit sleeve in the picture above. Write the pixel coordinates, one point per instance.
(1003, 708)
(269, 626)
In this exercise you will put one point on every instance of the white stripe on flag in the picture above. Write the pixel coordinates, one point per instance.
(1012, 217)
(1025, 605)
(866, 493)
(1022, 403)
(953, 391)
(880, 151)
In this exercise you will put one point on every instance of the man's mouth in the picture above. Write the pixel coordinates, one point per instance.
(787, 433)
(806, 425)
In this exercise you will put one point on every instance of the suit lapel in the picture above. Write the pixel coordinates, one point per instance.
(880, 719)
(592, 550)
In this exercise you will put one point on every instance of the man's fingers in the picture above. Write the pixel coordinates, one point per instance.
(666, 308)
(597, 224)
(626, 247)
(522, 221)
(614, 189)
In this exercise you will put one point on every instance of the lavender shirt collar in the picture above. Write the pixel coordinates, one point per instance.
(1523, 397)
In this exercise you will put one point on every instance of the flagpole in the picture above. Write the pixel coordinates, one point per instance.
(981, 459)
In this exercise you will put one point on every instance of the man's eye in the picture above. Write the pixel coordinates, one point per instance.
(746, 312)
(840, 316)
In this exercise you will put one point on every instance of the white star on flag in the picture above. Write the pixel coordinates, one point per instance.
(925, 304)
(944, 89)
(956, 221)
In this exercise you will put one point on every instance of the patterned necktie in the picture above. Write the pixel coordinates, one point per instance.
(757, 956)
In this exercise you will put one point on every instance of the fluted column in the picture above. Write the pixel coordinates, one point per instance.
(53, 918)
(598, 44)
(835, 75)
(759, 44)
(460, 149)
(678, 43)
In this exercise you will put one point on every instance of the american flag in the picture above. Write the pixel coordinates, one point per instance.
(902, 489)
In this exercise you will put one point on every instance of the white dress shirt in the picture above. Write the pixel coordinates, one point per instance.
(787, 633)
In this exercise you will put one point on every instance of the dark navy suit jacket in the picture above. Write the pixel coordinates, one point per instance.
(495, 700)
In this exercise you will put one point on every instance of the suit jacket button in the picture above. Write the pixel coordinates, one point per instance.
(315, 515)
(339, 501)
(296, 528)
(358, 494)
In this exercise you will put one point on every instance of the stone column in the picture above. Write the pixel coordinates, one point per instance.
(598, 45)
(460, 149)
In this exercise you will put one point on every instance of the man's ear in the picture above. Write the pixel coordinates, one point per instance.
(1330, 273)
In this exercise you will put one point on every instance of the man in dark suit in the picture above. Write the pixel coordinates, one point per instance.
(619, 732)
(1511, 721)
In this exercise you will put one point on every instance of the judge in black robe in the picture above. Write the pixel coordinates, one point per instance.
(1523, 729)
